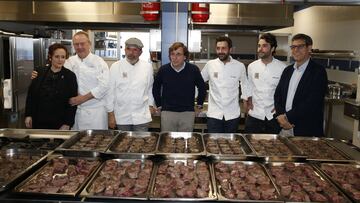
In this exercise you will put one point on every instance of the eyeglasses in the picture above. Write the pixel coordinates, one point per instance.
(300, 46)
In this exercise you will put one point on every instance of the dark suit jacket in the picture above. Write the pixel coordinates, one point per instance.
(307, 113)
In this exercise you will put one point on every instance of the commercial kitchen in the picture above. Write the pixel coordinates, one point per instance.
(118, 166)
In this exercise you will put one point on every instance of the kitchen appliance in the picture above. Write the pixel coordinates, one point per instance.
(16, 64)
(41, 48)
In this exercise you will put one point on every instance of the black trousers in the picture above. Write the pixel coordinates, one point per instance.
(222, 126)
(254, 125)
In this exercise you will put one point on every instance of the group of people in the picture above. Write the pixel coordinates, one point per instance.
(81, 92)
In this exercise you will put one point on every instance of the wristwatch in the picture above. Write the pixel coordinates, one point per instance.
(199, 106)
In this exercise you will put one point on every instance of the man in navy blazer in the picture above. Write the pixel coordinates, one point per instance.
(299, 96)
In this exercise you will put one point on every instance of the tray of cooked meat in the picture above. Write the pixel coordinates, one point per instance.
(17, 163)
(89, 143)
(121, 179)
(345, 147)
(182, 179)
(274, 147)
(181, 145)
(227, 146)
(60, 176)
(318, 149)
(300, 182)
(244, 181)
(134, 144)
(345, 176)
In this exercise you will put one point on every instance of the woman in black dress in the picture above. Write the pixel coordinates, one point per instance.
(47, 102)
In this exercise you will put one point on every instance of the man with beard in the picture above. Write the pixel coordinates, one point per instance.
(130, 99)
(299, 96)
(224, 74)
(264, 75)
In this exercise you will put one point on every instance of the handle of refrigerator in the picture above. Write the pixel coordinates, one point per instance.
(7, 90)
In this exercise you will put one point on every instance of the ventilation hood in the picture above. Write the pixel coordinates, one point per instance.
(126, 14)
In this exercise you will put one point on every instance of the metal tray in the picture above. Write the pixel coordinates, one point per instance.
(245, 152)
(72, 160)
(294, 153)
(66, 149)
(37, 133)
(38, 156)
(346, 147)
(129, 151)
(324, 149)
(90, 194)
(221, 194)
(29, 143)
(181, 135)
(211, 194)
(339, 166)
(317, 173)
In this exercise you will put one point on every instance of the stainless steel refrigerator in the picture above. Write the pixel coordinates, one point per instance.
(16, 65)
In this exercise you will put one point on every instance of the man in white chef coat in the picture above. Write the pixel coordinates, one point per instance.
(92, 74)
(224, 74)
(130, 99)
(264, 75)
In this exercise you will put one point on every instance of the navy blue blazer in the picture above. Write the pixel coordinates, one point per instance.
(307, 113)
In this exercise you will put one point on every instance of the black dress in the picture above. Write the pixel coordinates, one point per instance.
(48, 97)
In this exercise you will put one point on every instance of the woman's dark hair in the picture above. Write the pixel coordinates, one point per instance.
(224, 39)
(54, 47)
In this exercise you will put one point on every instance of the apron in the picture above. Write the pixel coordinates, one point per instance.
(94, 118)
(92, 114)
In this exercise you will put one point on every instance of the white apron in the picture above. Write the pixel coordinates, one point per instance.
(94, 118)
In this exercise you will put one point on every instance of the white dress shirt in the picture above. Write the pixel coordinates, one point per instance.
(224, 87)
(263, 80)
(131, 92)
(294, 82)
(92, 74)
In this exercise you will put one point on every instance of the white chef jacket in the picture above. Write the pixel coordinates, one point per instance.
(224, 87)
(263, 80)
(131, 92)
(92, 75)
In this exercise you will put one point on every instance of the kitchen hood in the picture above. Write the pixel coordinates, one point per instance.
(118, 14)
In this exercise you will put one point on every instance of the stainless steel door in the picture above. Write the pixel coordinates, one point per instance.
(21, 66)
